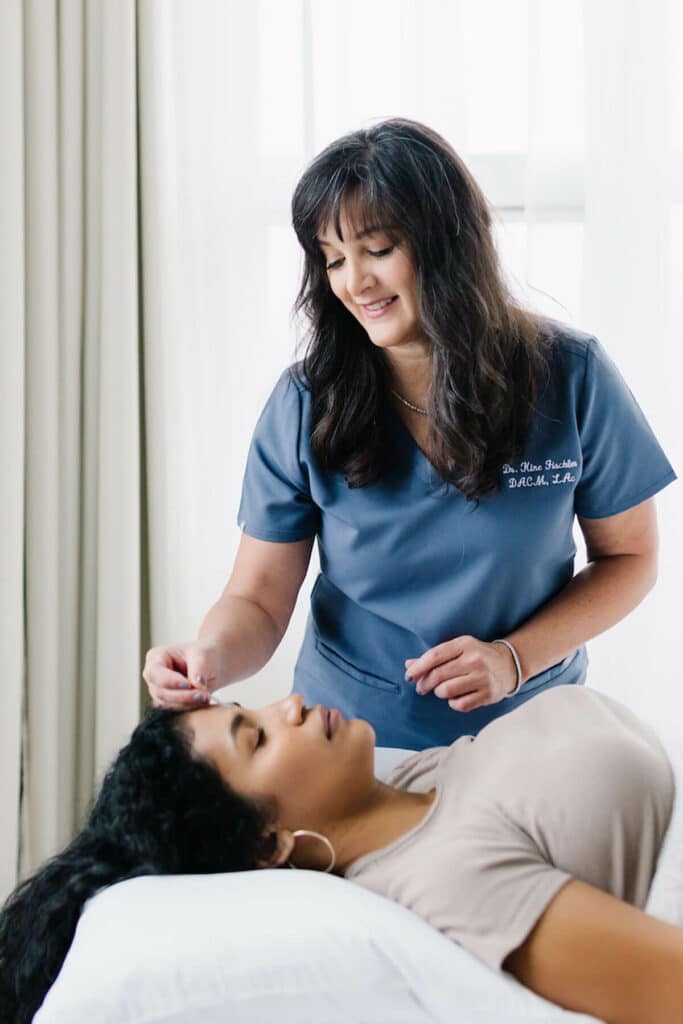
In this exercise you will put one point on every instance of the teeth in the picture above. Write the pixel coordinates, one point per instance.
(379, 305)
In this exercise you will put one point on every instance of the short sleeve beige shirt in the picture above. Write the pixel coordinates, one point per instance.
(571, 784)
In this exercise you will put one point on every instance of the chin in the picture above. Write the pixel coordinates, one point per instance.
(368, 730)
(362, 731)
(390, 341)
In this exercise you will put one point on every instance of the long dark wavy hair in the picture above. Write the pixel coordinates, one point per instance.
(160, 811)
(489, 354)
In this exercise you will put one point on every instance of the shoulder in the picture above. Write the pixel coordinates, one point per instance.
(295, 375)
(291, 389)
(289, 394)
(418, 771)
(569, 343)
(292, 378)
(577, 362)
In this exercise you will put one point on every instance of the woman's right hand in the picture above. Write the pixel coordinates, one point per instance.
(181, 675)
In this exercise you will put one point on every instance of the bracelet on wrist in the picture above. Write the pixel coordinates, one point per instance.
(518, 666)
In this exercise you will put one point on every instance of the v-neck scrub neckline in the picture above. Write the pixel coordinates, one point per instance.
(420, 458)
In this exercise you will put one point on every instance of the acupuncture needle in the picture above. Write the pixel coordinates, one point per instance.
(213, 699)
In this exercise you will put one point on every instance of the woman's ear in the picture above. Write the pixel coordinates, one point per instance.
(280, 843)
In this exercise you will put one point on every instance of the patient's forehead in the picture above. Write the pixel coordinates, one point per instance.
(205, 725)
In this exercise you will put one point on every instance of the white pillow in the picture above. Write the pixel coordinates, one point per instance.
(264, 946)
(294, 947)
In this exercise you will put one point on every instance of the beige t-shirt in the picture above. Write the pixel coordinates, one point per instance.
(570, 784)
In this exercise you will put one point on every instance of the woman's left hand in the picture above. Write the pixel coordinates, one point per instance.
(467, 672)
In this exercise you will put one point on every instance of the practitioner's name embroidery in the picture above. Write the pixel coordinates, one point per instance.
(536, 474)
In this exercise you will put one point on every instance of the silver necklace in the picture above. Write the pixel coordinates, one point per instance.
(415, 408)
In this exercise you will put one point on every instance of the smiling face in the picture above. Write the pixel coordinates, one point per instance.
(283, 753)
(364, 269)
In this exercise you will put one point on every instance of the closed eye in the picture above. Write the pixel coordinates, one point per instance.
(379, 252)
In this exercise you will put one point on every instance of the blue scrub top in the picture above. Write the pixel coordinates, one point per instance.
(406, 564)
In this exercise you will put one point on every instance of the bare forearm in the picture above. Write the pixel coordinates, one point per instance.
(599, 596)
(244, 633)
(593, 953)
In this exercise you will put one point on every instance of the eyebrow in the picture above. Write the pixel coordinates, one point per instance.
(237, 721)
(361, 234)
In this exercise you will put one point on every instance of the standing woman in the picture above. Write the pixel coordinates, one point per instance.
(437, 440)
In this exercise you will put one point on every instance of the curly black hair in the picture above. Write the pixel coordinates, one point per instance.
(161, 810)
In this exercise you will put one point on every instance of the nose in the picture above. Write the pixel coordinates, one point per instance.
(295, 708)
(287, 712)
(358, 277)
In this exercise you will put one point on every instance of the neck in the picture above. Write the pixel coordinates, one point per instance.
(389, 814)
(410, 373)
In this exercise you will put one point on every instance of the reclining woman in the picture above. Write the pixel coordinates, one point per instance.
(533, 848)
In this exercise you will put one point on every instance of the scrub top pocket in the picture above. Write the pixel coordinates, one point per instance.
(361, 676)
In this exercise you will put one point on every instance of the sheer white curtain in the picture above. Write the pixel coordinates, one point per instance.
(70, 430)
(605, 162)
(632, 263)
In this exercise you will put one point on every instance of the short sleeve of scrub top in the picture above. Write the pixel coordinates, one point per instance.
(407, 562)
(276, 501)
(623, 462)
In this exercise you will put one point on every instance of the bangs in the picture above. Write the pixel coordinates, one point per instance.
(365, 209)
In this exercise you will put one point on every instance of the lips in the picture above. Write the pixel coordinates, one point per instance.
(383, 310)
(376, 303)
(331, 719)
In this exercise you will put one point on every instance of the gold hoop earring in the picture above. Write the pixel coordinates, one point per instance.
(324, 839)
